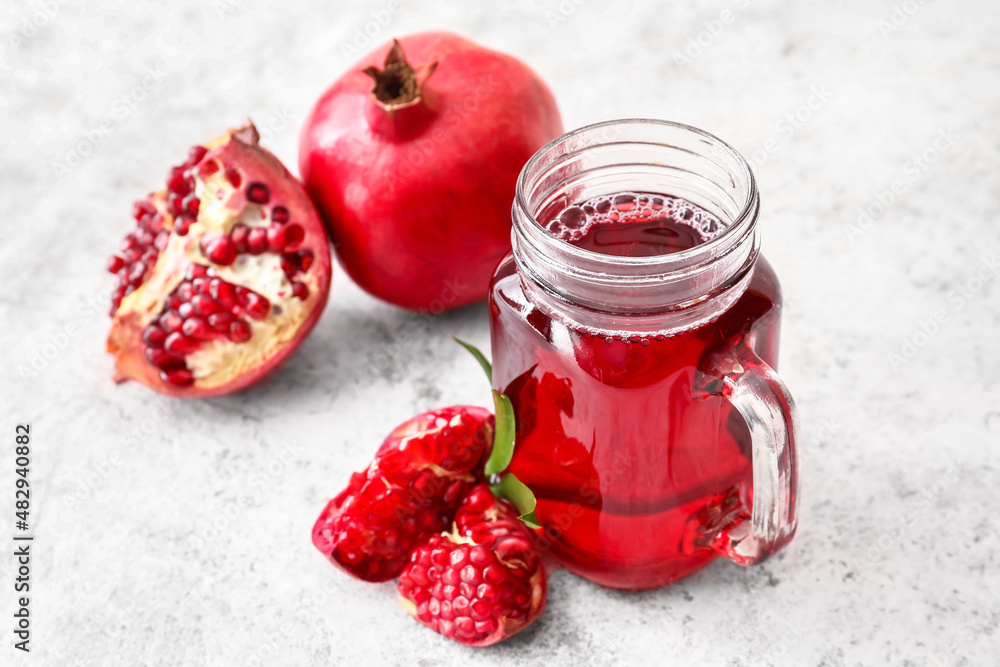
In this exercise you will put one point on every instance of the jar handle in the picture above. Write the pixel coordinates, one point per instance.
(738, 375)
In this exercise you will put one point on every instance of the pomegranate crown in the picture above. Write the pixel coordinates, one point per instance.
(398, 84)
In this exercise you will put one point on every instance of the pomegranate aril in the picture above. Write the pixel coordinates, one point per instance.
(257, 306)
(175, 183)
(280, 215)
(160, 357)
(257, 240)
(182, 225)
(195, 271)
(115, 264)
(136, 273)
(239, 331)
(258, 193)
(196, 327)
(239, 234)
(300, 290)
(179, 345)
(209, 168)
(171, 321)
(161, 240)
(204, 304)
(290, 265)
(201, 285)
(181, 377)
(191, 205)
(221, 250)
(220, 321)
(196, 154)
(154, 336)
(276, 238)
(141, 209)
(294, 234)
(234, 177)
(223, 293)
(175, 203)
(186, 310)
(305, 259)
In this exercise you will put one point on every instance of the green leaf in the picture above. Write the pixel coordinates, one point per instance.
(512, 489)
(474, 351)
(503, 436)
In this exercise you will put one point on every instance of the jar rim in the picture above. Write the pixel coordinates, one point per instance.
(747, 213)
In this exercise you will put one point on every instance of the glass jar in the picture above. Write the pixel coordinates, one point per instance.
(650, 424)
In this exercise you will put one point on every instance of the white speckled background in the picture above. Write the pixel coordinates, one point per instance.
(177, 533)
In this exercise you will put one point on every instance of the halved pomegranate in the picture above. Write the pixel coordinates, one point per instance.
(225, 274)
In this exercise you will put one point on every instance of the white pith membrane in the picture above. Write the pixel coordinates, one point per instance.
(220, 360)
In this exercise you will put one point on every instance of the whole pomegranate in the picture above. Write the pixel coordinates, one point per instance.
(225, 273)
(413, 165)
(410, 490)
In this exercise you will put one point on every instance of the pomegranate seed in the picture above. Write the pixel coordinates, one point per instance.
(220, 321)
(154, 336)
(204, 304)
(171, 321)
(223, 293)
(195, 327)
(161, 240)
(210, 168)
(239, 235)
(179, 345)
(201, 285)
(136, 273)
(115, 264)
(234, 178)
(257, 240)
(182, 224)
(239, 331)
(175, 203)
(174, 302)
(289, 265)
(276, 238)
(128, 242)
(241, 295)
(305, 259)
(257, 306)
(192, 205)
(141, 209)
(160, 357)
(300, 290)
(186, 310)
(221, 250)
(258, 193)
(181, 377)
(279, 214)
(175, 183)
(196, 154)
(294, 234)
(195, 271)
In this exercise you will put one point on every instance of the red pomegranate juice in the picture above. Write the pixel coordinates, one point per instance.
(633, 469)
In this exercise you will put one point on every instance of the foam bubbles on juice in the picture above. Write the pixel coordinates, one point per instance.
(573, 223)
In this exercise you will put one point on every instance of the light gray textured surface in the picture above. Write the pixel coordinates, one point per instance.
(896, 559)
